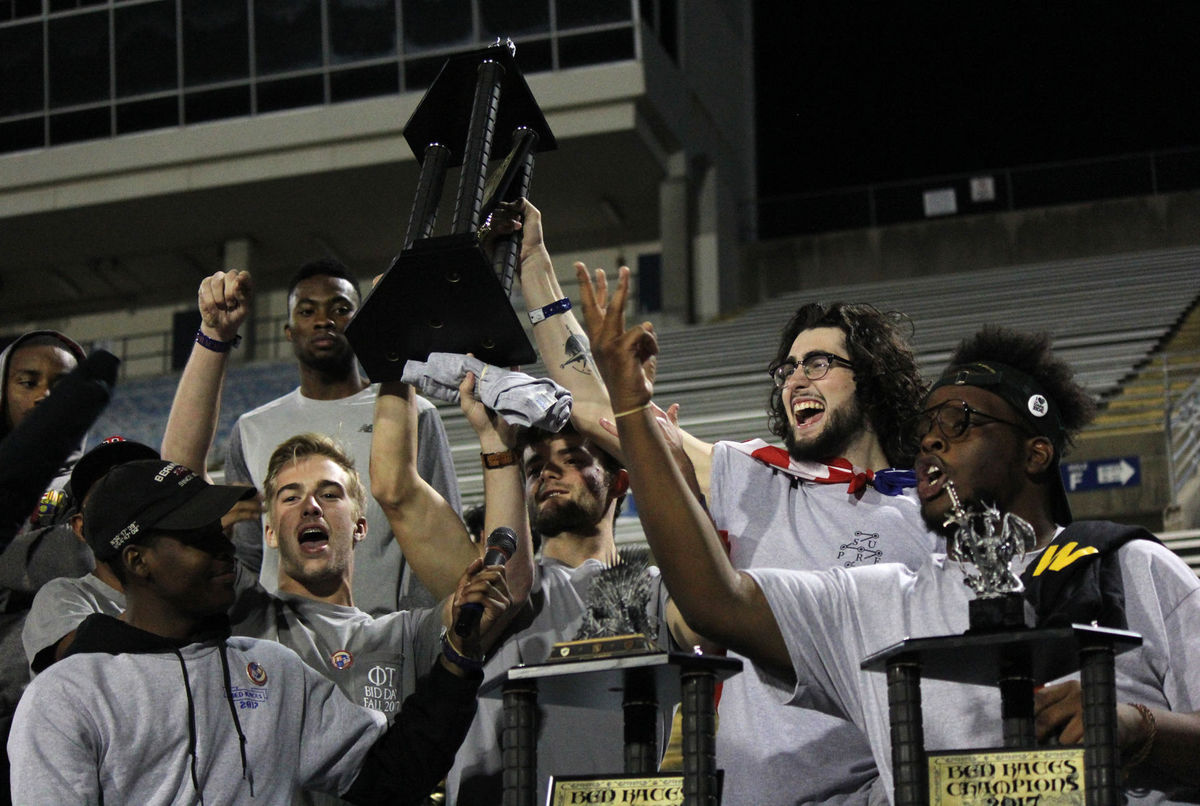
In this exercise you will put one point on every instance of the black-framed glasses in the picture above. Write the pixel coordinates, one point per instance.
(815, 366)
(954, 417)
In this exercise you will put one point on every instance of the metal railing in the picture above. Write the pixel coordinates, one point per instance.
(1182, 427)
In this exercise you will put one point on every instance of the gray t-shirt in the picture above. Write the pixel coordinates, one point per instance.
(383, 582)
(62, 605)
(375, 661)
(832, 620)
(572, 740)
(94, 725)
(775, 757)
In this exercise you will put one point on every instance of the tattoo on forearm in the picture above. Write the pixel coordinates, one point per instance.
(579, 354)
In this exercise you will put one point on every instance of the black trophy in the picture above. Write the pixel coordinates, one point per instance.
(444, 294)
(614, 663)
(1000, 649)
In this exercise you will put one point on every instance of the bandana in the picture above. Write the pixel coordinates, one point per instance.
(839, 471)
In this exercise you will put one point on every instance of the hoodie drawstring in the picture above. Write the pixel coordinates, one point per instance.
(237, 725)
(187, 687)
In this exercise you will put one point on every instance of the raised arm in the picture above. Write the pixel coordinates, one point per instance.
(564, 345)
(224, 302)
(503, 486)
(720, 603)
(430, 532)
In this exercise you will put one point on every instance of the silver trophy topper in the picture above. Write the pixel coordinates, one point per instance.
(989, 541)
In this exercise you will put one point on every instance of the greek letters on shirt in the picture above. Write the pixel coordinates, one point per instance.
(375, 681)
(380, 687)
(863, 549)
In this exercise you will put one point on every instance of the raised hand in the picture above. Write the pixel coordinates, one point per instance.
(224, 302)
(495, 434)
(627, 359)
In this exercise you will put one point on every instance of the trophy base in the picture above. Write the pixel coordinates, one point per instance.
(1004, 612)
(608, 647)
(442, 295)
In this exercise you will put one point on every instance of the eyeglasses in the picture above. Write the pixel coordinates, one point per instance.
(815, 365)
(954, 417)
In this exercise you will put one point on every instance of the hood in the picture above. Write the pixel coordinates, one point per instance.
(102, 633)
(69, 345)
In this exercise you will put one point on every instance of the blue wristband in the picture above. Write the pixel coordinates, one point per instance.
(545, 312)
(467, 664)
(216, 345)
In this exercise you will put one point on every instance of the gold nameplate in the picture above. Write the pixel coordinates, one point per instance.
(632, 789)
(594, 648)
(1042, 777)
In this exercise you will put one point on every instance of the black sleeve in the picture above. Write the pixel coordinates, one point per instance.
(418, 749)
(31, 455)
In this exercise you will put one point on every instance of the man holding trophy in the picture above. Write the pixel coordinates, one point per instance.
(992, 432)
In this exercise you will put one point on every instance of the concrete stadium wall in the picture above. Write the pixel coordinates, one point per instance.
(961, 243)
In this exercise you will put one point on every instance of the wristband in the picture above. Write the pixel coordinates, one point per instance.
(472, 666)
(546, 311)
(492, 461)
(634, 410)
(1143, 752)
(216, 345)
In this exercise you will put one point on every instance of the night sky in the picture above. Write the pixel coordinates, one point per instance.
(860, 93)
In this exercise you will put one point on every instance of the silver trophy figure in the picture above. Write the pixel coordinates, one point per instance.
(989, 541)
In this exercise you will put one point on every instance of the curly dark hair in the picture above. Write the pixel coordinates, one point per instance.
(888, 387)
(1031, 353)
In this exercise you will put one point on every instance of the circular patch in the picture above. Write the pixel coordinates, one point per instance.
(256, 673)
(342, 659)
(1038, 406)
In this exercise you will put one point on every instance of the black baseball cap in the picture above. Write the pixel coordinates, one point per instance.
(137, 498)
(113, 451)
(1032, 404)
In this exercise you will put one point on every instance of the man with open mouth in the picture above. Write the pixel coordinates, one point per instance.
(995, 425)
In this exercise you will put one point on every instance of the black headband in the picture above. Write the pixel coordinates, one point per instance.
(1019, 390)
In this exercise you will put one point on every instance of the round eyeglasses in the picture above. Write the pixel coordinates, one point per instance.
(815, 366)
(954, 417)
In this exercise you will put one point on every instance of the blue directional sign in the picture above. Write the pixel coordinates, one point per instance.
(1100, 474)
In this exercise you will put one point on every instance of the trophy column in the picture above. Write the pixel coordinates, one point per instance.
(1100, 757)
(908, 731)
(519, 743)
(700, 785)
(635, 683)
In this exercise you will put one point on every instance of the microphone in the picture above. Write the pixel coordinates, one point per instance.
(501, 544)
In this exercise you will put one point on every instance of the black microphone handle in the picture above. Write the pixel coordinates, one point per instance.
(497, 554)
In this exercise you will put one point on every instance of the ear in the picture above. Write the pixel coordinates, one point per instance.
(620, 483)
(1039, 455)
(360, 530)
(287, 328)
(270, 536)
(77, 526)
(134, 558)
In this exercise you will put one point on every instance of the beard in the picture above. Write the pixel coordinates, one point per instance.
(568, 517)
(841, 428)
(571, 515)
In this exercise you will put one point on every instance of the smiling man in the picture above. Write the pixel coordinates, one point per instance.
(845, 386)
(995, 424)
(334, 399)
